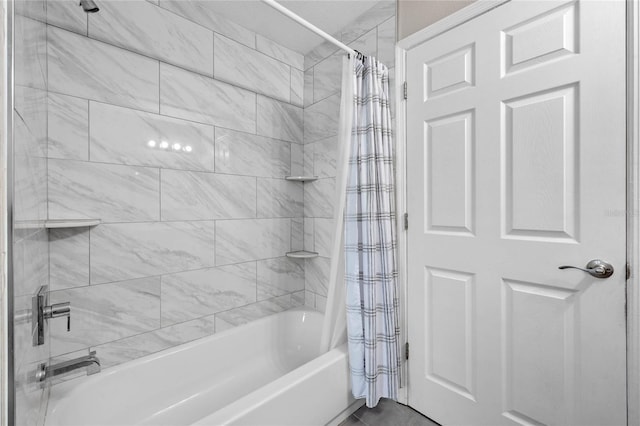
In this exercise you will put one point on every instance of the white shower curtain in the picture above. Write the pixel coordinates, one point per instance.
(365, 207)
(334, 330)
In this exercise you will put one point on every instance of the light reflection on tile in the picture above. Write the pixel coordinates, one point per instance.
(128, 142)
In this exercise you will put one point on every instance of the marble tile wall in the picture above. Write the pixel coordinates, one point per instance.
(30, 241)
(373, 33)
(176, 128)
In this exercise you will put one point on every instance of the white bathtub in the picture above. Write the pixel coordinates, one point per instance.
(267, 372)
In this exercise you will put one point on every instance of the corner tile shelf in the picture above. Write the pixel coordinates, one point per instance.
(71, 223)
(302, 254)
(301, 178)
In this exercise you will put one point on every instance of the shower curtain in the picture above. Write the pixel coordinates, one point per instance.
(365, 206)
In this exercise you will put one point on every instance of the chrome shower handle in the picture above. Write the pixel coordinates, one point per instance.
(596, 268)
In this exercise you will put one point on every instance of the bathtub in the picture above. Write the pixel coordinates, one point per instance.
(268, 372)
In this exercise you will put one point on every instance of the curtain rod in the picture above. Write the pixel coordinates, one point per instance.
(274, 4)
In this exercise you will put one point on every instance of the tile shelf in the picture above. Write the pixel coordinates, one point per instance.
(302, 254)
(301, 178)
(56, 223)
(71, 223)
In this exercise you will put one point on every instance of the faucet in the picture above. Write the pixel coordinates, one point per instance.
(90, 362)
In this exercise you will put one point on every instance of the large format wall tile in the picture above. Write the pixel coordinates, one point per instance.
(325, 152)
(128, 142)
(68, 124)
(193, 294)
(30, 148)
(235, 317)
(297, 159)
(297, 234)
(387, 42)
(321, 119)
(202, 13)
(246, 154)
(197, 196)
(243, 66)
(297, 87)
(367, 44)
(91, 69)
(113, 193)
(30, 263)
(106, 312)
(323, 229)
(322, 51)
(316, 275)
(134, 250)
(327, 76)
(246, 240)
(308, 87)
(379, 13)
(30, 53)
(130, 348)
(281, 53)
(319, 198)
(191, 96)
(68, 258)
(68, 15)
(152, 31)
(279, 276)
(279, 120)
(279, 198)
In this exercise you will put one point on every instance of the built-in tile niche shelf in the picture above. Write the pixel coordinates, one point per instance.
(301, 178)
(71, 223)
(302, 254)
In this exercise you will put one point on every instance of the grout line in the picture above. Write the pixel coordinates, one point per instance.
(162, 61)
(171, 117)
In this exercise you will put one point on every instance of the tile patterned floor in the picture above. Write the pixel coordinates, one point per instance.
(388, 413)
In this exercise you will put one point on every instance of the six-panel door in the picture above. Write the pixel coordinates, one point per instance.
(516, 165)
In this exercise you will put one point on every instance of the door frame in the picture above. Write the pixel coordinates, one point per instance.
(458, 18)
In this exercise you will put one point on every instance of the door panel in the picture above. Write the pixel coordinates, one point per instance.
(516, 165)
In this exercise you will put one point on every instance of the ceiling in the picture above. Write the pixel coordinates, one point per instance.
(329, 15)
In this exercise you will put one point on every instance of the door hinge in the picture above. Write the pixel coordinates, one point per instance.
(404, 90)
(406, 221)
(628, 270)
(406, 350)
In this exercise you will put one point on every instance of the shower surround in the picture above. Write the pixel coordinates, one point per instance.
(176, 128)
(193, 237)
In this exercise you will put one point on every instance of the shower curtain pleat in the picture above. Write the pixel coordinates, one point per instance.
(370, 240)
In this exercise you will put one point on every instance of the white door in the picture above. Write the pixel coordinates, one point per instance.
(516, 166)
